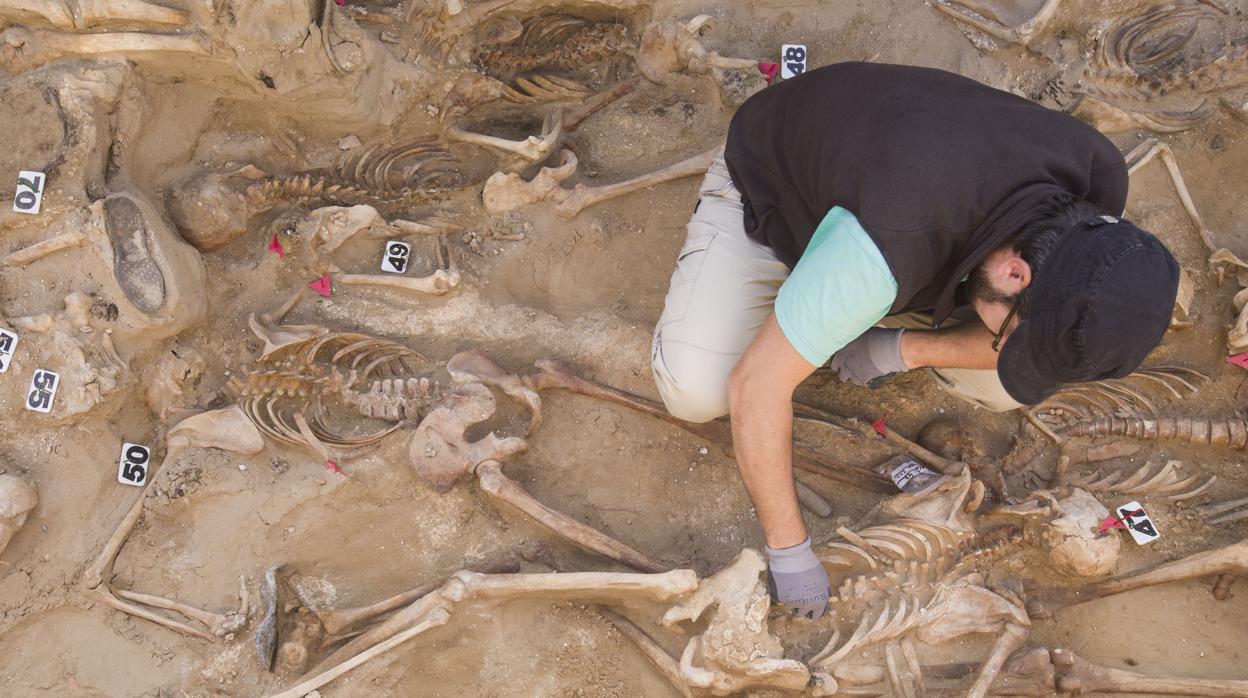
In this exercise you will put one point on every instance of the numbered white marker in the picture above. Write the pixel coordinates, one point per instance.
(132, 468)
(29, 194)
(395, 258)
(1141, 527)
(42, 389)
(8, 343)
(792, 60)
(913, 479)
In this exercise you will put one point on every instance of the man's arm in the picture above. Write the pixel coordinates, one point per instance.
(968, 345)
(760, 404)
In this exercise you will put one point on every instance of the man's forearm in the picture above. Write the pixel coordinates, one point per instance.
(762, 429)
(968, 345)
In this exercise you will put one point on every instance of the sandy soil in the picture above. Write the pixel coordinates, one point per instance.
(585, 291)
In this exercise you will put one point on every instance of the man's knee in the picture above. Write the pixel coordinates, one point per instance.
(692, 382)
(978, 387)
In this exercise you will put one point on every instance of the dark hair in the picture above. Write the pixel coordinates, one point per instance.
(1034, 244)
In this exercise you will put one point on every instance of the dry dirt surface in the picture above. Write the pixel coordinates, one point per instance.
(181, 142)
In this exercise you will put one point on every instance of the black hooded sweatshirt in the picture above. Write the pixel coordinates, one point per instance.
(940, 170)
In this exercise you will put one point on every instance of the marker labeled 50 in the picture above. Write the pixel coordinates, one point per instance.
(132, 468)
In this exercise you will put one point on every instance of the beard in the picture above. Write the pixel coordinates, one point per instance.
(979, 288)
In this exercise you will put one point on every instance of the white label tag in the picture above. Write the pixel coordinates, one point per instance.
(914, 479)
(132, 467)
(29, 196)
(8, 343)
(42, 389)
(792, 60)
(1138, 523)
(394, 260)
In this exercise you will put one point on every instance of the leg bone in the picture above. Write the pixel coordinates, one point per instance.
(1022, 34)
(80, 14)
(656, 654)
(531, 150)
(582, 197)
(39, 250)
(1077, 675)
(34, 47)
(502, 488)
(604, 587)
(552, 376)
(1152, 148)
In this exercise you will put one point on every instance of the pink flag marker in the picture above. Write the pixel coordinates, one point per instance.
(769, 70)
(878, 426)
(275, 245)
(322, 286)
(1240, 360)
(333, 468)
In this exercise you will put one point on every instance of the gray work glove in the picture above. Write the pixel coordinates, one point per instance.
(875, 355)
(796, 578)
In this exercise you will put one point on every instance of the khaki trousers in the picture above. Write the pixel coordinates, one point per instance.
(723, 288)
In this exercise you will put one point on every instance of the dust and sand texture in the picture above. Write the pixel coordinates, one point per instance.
(307, 306)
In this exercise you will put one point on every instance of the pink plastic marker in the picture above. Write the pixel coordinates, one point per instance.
(769, 70)
(333, 468)
(1240, 360)
(322, 286)
(878, 426)
(1111, 522)
(275, 245)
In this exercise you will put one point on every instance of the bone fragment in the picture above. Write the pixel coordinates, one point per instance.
(1022, 34)
(218, 624)
(269, 329)
(439, 283)
(26, 255)
(17, 499)
(338, 621)
(812, 500)
(1078, 676)
(507, 191)
(671, 47)
(502, 488)
(1208, 511)
(1151, 148)
(1222, 586)
(651, 649)
(434, 618)
(227, 429)
(266, 630)
(1237, 336)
